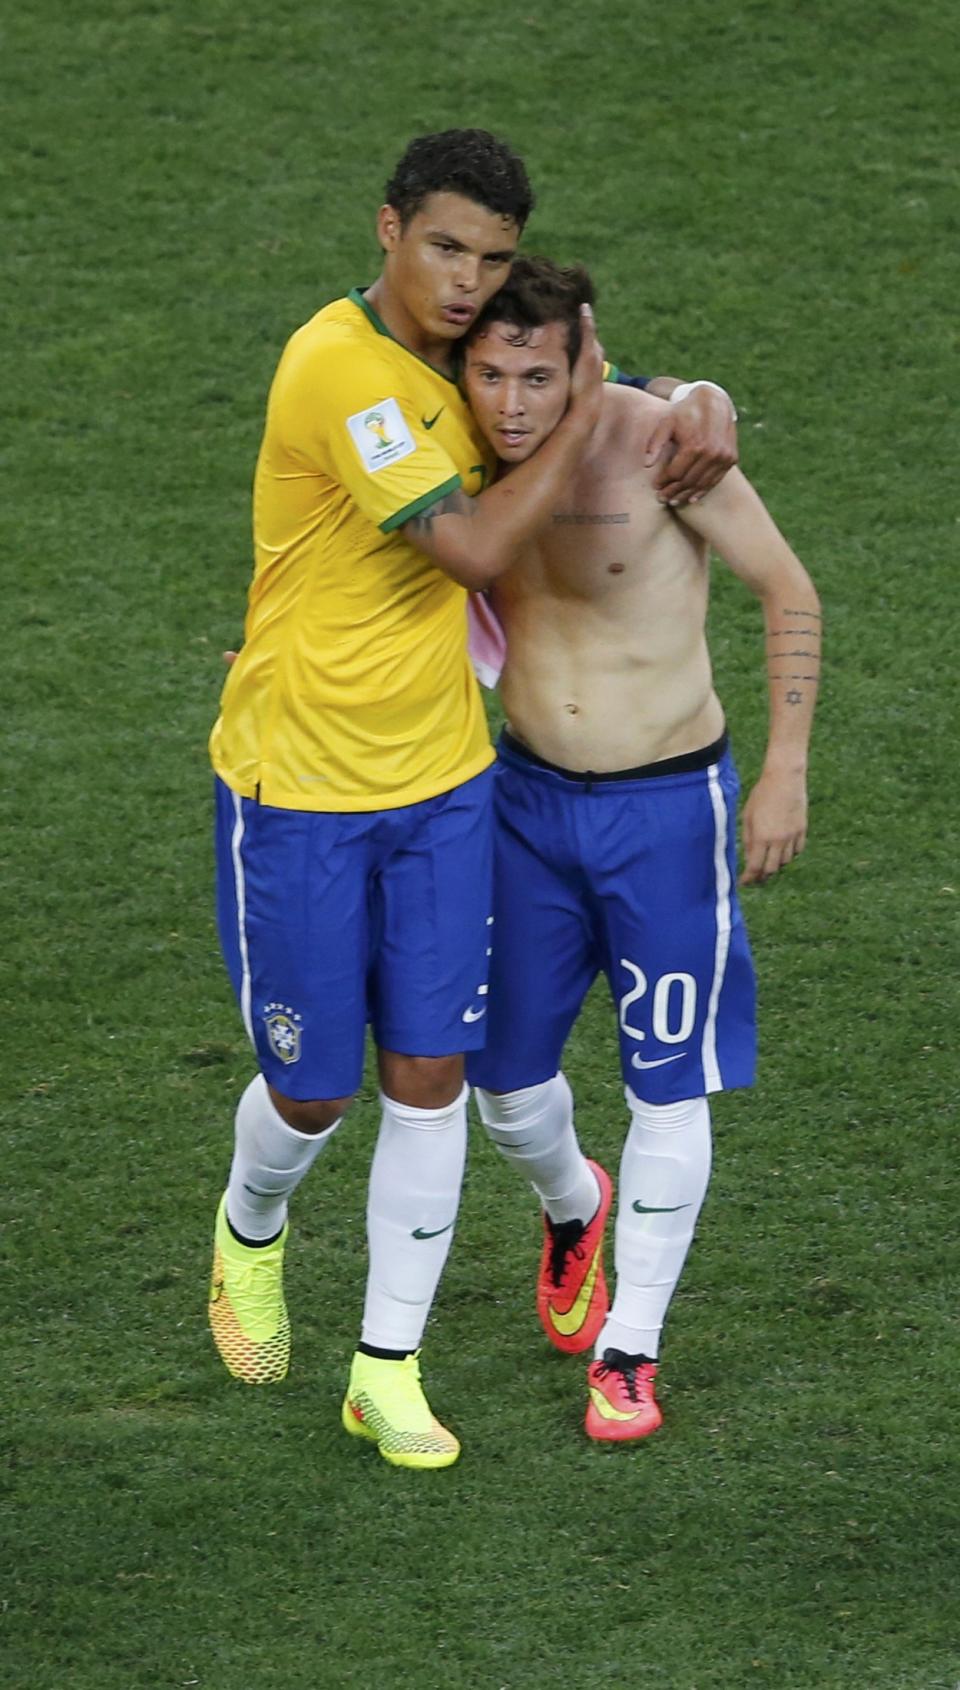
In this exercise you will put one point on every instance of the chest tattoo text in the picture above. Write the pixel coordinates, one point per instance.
(583, 519)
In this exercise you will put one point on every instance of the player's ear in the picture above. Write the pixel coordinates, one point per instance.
(388, 228)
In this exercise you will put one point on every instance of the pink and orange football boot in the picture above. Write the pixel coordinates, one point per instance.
(572, 1299)
(621, 1402)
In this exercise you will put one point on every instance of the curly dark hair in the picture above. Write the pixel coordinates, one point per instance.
(461, 161)
(537, 292)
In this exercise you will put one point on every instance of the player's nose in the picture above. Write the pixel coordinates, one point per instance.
(511, 399)
(468, 274)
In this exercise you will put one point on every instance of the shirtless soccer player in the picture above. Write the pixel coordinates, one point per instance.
(615, 800)
(353, 767)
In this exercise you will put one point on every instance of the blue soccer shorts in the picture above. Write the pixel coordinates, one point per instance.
(633, 875)
(329, 922)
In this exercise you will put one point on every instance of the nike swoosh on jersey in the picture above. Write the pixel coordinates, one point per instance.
(659, 1062)
(419, 1232)
(428, 422)
(570, 1320)
(473, 1014)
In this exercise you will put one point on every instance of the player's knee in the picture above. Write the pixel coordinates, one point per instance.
(421, 1082)
(691, 1115)
(494, 1106)
(506, 1108)
(312, 1116)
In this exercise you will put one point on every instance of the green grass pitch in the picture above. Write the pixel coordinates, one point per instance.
(767, 193)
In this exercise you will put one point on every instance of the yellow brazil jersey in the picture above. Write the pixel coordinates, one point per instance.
(353, 690)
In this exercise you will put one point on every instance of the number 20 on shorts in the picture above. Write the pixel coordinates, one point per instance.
(674, 1008)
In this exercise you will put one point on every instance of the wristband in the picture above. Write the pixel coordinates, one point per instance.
(686, 387)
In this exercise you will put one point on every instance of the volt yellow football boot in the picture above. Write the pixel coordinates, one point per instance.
(248, 1316)
(385, 1403)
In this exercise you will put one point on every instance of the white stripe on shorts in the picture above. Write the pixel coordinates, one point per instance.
(711, 1070)
(241, 891)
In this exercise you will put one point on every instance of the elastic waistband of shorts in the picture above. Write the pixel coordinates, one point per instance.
(689, 762)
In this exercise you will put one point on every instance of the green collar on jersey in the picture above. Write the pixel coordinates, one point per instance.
(357, 298)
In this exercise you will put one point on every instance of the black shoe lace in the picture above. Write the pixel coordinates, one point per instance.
(614, 1361)
(565, 1241)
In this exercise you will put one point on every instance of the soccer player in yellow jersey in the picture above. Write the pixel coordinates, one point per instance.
(353, 765)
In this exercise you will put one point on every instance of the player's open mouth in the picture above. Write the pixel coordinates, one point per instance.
(459, 314)
(513, 436)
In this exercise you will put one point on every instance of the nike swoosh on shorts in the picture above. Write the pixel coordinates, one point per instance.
(638, 1062)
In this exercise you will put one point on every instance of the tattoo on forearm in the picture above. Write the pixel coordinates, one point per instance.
(582, 518)
(806, 629)
(455, 504)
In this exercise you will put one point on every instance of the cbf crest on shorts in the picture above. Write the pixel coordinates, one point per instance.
(284, 1028)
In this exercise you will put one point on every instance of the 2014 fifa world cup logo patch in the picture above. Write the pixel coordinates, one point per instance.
(381, 435)
(284, 1031)
(376, 423)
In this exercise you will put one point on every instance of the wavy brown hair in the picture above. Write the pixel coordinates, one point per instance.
(538, 292)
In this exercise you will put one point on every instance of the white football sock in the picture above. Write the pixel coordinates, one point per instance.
(664, 1173)
(533, 1130)
(270, 1159)
(412, 1205)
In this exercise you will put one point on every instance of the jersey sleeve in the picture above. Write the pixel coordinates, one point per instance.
(611, 372)
(346, 412)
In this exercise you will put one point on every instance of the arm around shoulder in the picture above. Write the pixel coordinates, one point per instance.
(476, 539)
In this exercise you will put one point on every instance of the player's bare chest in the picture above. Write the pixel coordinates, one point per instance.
(601, 530)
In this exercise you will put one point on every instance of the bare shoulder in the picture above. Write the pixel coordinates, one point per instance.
(634, 401)
(631, 408)
(626, 420)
